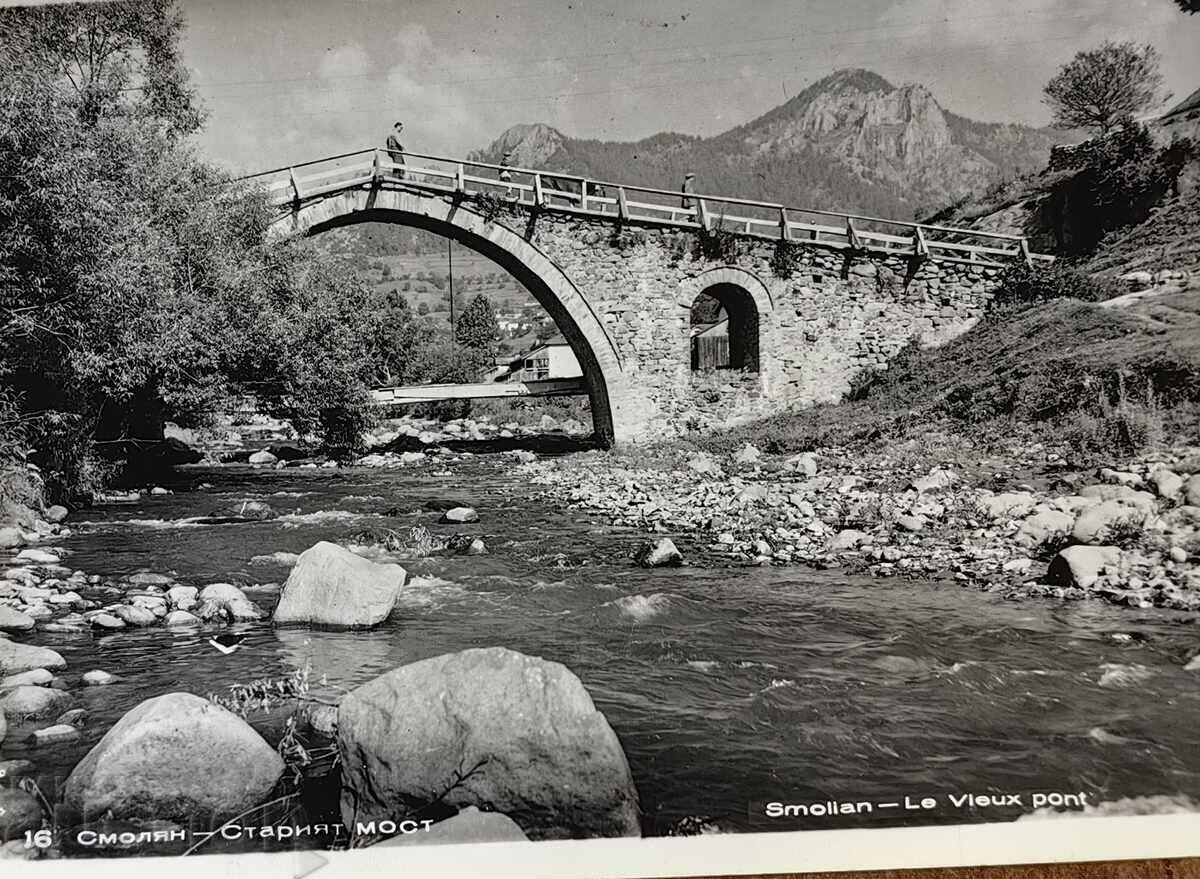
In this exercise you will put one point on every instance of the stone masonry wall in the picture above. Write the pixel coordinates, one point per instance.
(833, 317)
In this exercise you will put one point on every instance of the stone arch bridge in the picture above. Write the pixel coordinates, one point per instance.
(811, 298)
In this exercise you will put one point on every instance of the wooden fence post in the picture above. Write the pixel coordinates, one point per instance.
(377, 170)
(702, 213)
(539, 198)
(460, 185)
(784, 234)
(622, 204)
(852, 236)
(296, 196)
(583, 195)
(1025, 254)
(920, 245)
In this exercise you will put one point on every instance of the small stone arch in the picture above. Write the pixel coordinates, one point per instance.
(616, 417)
(745, 300)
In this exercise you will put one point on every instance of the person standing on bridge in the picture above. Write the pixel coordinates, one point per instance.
(687, 189)
(396, 149)
(506, 175)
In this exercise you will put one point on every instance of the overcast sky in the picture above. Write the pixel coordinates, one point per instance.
(286, 80)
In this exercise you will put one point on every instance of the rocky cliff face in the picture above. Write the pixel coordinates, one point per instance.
(852, 141)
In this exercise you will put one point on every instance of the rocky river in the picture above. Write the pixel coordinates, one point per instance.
(731, 681)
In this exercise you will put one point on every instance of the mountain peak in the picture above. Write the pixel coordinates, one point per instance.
(855, 78)
(531, 145)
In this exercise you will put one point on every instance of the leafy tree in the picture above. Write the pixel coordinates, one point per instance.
(1189, 6)
(476, 327)
(1103, 87)
(422, 308)
(137, 284)
(119, 57)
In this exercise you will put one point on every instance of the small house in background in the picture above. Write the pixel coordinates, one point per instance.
(710, 344)
(551, 359)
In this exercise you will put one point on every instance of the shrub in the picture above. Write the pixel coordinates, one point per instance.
(1022, 286)
(785, 259)
(717, 244)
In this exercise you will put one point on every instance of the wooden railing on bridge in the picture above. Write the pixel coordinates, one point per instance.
(499, 185)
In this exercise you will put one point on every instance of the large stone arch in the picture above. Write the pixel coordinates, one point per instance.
(615, 414)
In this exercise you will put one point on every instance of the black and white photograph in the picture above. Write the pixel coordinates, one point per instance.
(500, 428)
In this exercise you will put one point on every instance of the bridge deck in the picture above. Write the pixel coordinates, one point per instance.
(495, 188)
(554, 387)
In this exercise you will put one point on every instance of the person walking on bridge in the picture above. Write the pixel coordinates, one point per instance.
(687, 189)
(396, 149)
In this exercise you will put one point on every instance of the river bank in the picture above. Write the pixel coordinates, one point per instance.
(1020, 521)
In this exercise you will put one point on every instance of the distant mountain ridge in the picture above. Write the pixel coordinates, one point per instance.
(851, 141)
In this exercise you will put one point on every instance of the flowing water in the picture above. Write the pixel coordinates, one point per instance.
(728, 686)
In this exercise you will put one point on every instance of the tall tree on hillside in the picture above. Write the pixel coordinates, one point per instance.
(1189, 6)
(1103, 87)
(476, 328)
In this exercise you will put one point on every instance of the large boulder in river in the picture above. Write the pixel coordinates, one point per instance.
(661, 554)
(1103, 522)
(331, 586)
(228, 602)
(490, 728)
(174, 757)
(16, 657)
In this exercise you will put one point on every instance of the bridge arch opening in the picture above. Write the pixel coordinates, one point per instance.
(724, 329)
(574, 318)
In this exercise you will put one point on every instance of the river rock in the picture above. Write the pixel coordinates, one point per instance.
(522, 730)
(98, 678)
(262, 457)
(1007, 505)
(19, 812)
(174, 757)
(1045, 525)
(660, 554)
(469, 825)
(16, 657)
(1143, 500)
(36, 556)
(805, 462)
(1082, 566)
(135, 616)
(23, 702)
(936, 481)
(56, 513)
(1167, 484)
(149, 578)
(182, 597)
(911, 523)
(178, 619)
(1097, 525)
(11, 537)
(1191, 490)
(35, 677)
(12, 620)
(53, 735)
(225, 599)
(331, 586)
(459, 516)
(107, 621)
(848, 539)
(748, 454)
